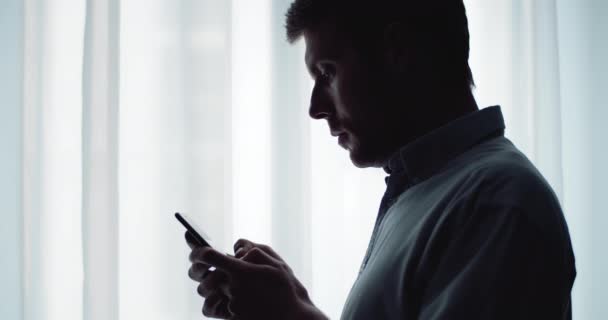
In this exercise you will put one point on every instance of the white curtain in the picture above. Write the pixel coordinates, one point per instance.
(115, 114)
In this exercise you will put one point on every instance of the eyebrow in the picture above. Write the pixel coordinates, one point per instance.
(312, 63)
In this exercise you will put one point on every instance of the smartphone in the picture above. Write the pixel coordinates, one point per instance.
(195, 232)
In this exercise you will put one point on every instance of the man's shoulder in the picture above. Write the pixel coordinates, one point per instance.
(505, 178)
(494, 171)
(506, 174)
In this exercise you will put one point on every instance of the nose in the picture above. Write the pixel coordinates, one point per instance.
(320, 104)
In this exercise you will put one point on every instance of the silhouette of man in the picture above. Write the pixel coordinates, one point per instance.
(467, 228)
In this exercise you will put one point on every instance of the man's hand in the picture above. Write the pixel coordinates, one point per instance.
(255, 284)
(213, 286)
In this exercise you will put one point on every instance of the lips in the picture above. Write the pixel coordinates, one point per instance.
(342, 138)
(342, 135)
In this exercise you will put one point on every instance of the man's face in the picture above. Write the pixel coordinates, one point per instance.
(353, 94)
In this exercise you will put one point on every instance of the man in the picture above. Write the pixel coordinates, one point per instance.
(467, 228)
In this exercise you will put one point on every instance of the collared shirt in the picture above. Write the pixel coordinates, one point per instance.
(467, 229)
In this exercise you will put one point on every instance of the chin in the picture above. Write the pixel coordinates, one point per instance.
(369, 157)
(361, 160)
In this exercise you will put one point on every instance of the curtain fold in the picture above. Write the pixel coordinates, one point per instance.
(52, 251)
(32, 293)
(515, 59)
(291, 222)
(100, 133)
(545, 92)
(583, 46)
(11, 159)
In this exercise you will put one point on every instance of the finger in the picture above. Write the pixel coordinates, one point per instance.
(215, 282)
(257, 256)
(240, 252)
(198, 271)
(230, 265)
(247, 245)
(241, 247)
(216, 306)
(268, 250)
(236, 306)
(222, 309)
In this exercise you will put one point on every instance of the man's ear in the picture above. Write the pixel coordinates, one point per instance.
(396, 47)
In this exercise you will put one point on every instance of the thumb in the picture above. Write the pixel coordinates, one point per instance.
(221, 261)
(260, 257)
(242, 246)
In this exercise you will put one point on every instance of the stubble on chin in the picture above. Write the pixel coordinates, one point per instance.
(363, 157)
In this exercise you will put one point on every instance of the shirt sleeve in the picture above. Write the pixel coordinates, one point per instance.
(497, 265)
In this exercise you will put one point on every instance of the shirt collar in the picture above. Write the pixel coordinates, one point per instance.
(422, 157)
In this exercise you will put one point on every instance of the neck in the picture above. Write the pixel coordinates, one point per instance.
(440, 108)
(448, 106)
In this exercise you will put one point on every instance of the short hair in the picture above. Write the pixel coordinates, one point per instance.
(439, 26)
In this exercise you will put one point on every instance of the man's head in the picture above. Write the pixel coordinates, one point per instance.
(382, 67)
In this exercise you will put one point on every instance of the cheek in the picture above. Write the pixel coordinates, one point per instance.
(357, 102)
(342, 101)
(361, 103)
(349, 97)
